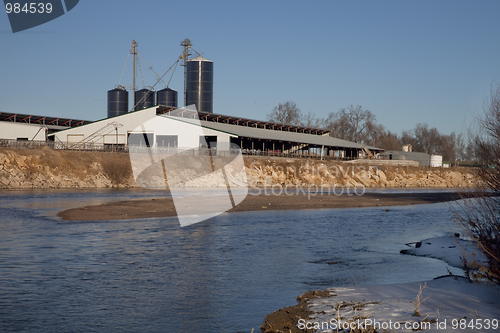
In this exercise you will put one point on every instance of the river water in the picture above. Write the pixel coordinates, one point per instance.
(221, 275)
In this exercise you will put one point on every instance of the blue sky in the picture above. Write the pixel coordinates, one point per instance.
(406, 61)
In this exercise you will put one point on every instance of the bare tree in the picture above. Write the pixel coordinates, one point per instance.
(374, 134)
(311, 121)
(408, 138)
(351, 124)
(461, 146)
(427, 139)
(470, 151)
(389, 141)
(286, 113)
(448, 147)
(480, 215)
(487, 143)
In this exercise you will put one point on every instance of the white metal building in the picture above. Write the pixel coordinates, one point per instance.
(423, 159)
(28, 127)
(21, 132)
(185, 128)
(133, 127)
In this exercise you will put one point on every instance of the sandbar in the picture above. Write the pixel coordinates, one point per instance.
(164, 207)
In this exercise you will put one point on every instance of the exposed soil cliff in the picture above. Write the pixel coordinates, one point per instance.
(312, 173)
(48, 168)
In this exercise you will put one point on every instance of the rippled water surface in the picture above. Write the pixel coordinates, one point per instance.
(221, 275)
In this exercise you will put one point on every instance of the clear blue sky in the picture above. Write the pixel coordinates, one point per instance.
(406, 61)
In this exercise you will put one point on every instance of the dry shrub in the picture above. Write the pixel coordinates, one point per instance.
(75, 163)
(117, 167)
(480, 220)
(50, 157)
(480, 215)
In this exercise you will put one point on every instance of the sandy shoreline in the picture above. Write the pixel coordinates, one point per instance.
(164, 207)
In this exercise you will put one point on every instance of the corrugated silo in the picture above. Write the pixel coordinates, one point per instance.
(199, 83)
(167, 97)
(144, 98)
(436, 161)
(117, 102)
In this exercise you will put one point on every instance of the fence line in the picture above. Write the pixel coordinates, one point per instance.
(5, 143)
(61, 146)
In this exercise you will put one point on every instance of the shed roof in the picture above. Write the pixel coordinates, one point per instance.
(248, 122)
(267, 134)
(50, 122)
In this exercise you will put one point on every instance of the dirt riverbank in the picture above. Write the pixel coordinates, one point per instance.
(286, 319)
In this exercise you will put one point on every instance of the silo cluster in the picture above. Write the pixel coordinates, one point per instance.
(199, 77)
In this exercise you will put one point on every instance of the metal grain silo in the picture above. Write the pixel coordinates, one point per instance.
(199, 83)
(117, 102)
(166, 97)
(144, 98)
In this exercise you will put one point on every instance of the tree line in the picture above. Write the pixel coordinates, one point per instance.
(360, 125)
